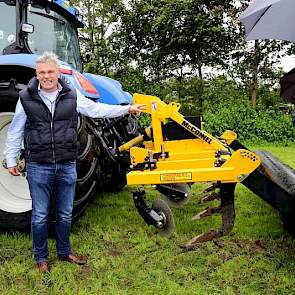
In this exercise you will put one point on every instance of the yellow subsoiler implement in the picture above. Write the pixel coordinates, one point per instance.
(174, 153)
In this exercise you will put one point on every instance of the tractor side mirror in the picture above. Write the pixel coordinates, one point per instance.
(28, 28)
(9, 2)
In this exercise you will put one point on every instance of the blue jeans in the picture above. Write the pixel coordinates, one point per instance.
(44, 180)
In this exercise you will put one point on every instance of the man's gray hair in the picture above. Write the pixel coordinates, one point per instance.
(49, 57)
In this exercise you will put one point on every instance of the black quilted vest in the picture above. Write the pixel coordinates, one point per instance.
(47, 139)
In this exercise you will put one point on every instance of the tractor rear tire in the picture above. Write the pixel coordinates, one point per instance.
(16, 216)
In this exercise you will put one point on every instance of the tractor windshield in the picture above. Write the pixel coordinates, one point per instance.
(52, 32)
(7, 25)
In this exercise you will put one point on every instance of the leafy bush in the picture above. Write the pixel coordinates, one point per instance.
(257, 125)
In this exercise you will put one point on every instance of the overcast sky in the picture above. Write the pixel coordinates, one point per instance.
(288, 63)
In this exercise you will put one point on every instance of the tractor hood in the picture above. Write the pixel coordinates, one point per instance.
(95, 87)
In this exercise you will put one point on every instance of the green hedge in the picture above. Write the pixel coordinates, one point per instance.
(257, 125)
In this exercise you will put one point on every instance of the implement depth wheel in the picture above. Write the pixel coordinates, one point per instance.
(167, 227)
(176, 195)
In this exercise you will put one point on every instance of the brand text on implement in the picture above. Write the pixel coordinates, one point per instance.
(191, 128)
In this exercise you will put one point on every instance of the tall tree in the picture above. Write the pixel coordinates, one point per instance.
(96, 37)
(175, 37)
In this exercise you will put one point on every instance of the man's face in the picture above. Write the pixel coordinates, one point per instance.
(47, 74)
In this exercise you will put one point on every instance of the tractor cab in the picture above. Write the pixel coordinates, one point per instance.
(37, 26)
(27, 29)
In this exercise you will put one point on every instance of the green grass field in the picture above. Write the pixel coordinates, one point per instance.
(128, 257)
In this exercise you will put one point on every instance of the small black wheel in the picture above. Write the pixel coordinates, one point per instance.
(176, 202)
(166, 227)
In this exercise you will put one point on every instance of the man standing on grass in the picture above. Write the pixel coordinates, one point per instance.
(46, 117)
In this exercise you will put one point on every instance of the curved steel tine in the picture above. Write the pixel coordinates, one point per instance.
(227, 211)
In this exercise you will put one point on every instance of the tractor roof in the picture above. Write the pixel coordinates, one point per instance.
(65, 8)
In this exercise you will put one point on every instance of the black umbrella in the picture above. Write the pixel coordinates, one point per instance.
(269, 19)
(288, 86)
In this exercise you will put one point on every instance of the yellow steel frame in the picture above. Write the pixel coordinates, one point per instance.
(189, 160)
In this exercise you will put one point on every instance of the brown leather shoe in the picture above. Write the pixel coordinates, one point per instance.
(43, 266)
(74, 259)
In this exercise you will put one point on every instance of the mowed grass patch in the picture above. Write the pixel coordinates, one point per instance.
(128, 257)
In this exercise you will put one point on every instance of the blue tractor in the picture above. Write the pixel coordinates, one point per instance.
(27, 29)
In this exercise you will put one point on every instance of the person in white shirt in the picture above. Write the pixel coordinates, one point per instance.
(46, 118)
